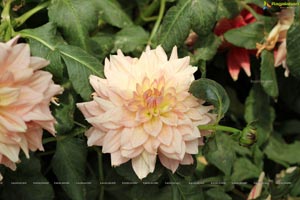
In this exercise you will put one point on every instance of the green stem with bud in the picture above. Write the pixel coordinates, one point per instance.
(212, 127)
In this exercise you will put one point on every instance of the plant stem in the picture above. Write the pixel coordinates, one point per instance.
(157, 23)
(20, 20)
(219, 128)
(6, 29)
(101, 176)
(144, 14)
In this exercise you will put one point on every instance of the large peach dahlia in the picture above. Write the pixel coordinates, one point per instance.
(143, 110)
(25, 94)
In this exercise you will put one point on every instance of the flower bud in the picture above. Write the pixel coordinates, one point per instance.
(248, 136)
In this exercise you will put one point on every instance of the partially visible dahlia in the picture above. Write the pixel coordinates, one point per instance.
(25, 94)
(143, 110)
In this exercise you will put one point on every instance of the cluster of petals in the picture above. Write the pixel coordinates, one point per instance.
(25, 94)
(237, 57)
(278, 36)
(142, 111)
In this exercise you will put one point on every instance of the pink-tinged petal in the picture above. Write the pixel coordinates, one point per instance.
(24, 145)
(143, 164)
(104, 104)
(10, 151)
(20, 57)
(280, 54)
(166, 135)
(12, 122)
(132, 153)
(8, 95)
(8, 163)
(13, 41)
(95, 136)
(238, 58)
(169, 118)
(191, 147)
(169, 163)
(153, 126)
(38, 63)
(111, 142)
(151, 145)
(34, 137)
(117, 159)
(174, 54)
(138, 137)
(90, 109)
(187, 160)
(99, 85)
(256, 190)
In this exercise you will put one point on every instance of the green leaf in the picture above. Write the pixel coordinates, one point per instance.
(175, 26)
(102, 44)
(80, 66)
(141, 192)
(203, 15)
(43, 42)
(293, 46)
(227, 9)
(112, 13)
(208, 48)
(76, 18)
(130, 39)
(279, 151)
(68, 164)
(213, 93)
(29, 173)
(187, 170)
(182, 190)
(246, 36)
(217, 194)
(64, 113)
(267, 74)
(218, 151)
(258, 110)
(244, 169)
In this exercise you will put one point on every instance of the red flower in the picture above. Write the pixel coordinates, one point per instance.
(237, 57)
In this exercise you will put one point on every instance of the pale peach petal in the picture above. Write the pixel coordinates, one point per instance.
(111, 142)
(166, 135)
(143, 164)
(8, 95)
(10, 151)
(187, 160)
(153, 126)
(169, 118)
(138, 137)
(12, 122)
(38, 63)
(95, 136)
(117, 159)
(168, 163)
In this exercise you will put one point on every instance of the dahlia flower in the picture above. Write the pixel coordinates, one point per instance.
(237, 57)
(143, 110)
(25, 94)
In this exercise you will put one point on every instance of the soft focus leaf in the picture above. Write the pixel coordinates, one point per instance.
(113, 13)
(102, 44)
(80, 66)
(246, 36)
(217, 194)
(76, 18)
(293, 45)
(182, 190)
(211, 92)
(244, 169)
(68, 164)
(203, 15)
(218, 152)
(227, 8)
(175, 26)
(27, 182)
(258, 110)
(208, 48)
(130, 39)
(267, 74)
(281, 152)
